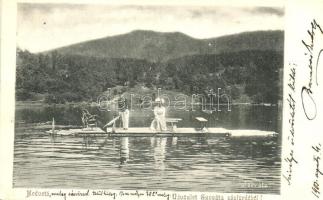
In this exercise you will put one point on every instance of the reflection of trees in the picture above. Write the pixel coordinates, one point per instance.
(243, 114)
(265, 148)
(63, 115)
(233, 119)
(261, 117)
(246, 117)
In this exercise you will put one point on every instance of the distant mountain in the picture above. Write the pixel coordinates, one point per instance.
(158, 46)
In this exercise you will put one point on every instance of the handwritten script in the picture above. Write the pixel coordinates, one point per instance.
(290, 158)
(317, 159)
(313, 53)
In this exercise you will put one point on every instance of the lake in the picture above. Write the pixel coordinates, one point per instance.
(195, 163)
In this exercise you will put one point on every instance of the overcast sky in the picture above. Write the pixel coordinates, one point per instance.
(46, 26)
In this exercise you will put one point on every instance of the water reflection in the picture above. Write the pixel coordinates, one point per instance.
(53, 138)
(160, 152)
(197, 163)
(202, 163)
(124, 150)
(174, 141)
(201, 142)
(87, 142)
(94, 143)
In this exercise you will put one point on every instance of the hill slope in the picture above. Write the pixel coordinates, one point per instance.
(157, 46)
(247, 65)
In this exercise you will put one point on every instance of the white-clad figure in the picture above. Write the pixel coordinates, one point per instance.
(159, 122)
(125, 119)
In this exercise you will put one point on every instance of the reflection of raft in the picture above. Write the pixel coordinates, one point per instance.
(144, 131)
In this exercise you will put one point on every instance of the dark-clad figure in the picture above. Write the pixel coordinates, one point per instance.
(123, 111)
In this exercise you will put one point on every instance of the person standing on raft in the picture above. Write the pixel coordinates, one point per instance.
(123, 111)
(159, 122)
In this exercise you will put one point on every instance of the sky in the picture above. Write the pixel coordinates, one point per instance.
(42, 27)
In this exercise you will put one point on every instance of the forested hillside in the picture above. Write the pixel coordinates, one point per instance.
(246, 71)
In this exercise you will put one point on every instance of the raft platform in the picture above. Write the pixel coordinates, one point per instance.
(147, 132)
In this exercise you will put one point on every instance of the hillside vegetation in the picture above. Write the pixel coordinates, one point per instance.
(248, 66)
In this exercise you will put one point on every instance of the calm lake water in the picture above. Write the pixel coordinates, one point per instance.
(195, 163)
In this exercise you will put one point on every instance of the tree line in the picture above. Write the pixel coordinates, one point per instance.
(252, 76)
